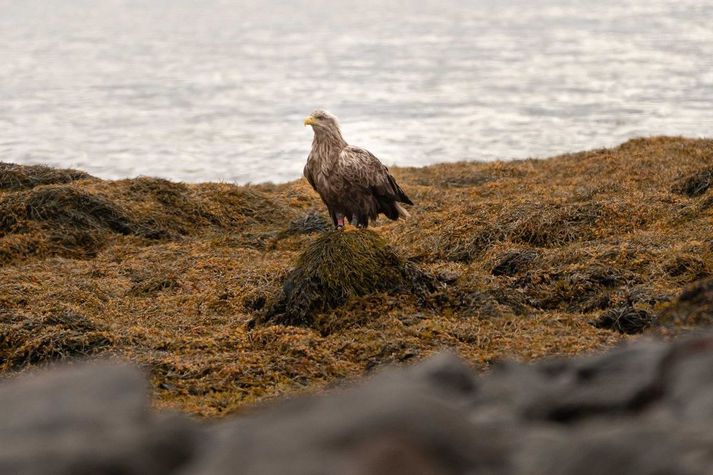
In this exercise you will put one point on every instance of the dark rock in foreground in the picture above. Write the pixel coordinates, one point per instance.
(88, 419)
(641, 409)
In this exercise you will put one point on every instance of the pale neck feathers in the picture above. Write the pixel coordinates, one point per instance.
(326, 147)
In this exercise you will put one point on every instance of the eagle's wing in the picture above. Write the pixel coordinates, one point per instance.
(362, 169)
(308, 172)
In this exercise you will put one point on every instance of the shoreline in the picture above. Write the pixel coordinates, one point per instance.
(303, 158)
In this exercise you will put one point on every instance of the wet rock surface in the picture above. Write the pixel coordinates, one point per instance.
(88, 419)
(645, 408)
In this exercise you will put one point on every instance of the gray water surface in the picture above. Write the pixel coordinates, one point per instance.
(217, 89)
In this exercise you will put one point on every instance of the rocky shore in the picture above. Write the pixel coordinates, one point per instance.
(644, 408)
(228, 296)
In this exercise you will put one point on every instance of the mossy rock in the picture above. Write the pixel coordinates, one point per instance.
(337, 266)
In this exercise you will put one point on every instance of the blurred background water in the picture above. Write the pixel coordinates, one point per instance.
(216, 90)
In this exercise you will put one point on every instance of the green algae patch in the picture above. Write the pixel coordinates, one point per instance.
(336, 267)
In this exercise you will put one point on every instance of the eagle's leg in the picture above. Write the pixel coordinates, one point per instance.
(340, 221)
(362, 221)
(333, 215)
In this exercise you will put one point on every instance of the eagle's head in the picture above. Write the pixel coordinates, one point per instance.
(321, 119)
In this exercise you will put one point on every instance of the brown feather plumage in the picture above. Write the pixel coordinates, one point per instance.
(351, 181)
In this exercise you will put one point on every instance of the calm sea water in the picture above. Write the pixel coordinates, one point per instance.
(216, 90)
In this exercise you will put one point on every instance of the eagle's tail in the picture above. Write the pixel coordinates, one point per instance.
(398, 192)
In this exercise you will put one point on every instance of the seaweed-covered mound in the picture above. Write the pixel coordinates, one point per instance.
(695, 184)
(338, 266)
(58, 219)
(50, 212)
(20, 177)
(30, 340)
(624, 319)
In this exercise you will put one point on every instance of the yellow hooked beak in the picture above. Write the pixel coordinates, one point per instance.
(310, 121)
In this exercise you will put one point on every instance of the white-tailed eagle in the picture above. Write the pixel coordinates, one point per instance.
(351, 181)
